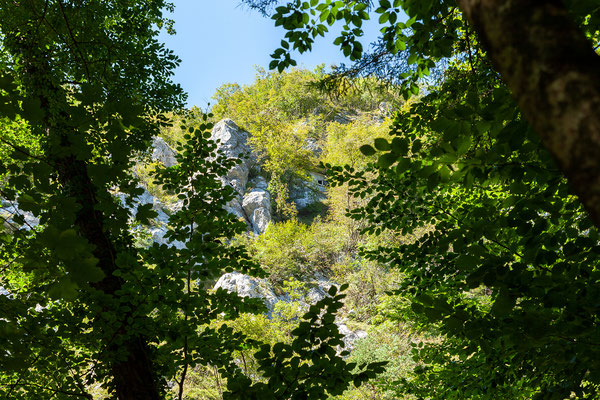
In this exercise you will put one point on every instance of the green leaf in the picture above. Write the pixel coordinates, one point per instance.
(412, 58)
(382, 144)
(63, 289)
(386, 160)
(367, 150)
(403, 165)
(145, 213)
(503, 304)
(32, 110)
(416, 146)
(400, 146)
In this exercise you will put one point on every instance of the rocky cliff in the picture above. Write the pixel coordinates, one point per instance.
(247, 286)
(252, 204)
(253, 201)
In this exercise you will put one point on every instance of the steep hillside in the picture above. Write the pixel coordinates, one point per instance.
(284, 131)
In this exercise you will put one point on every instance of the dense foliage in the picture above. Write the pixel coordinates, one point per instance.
(454, 236)
(504, 260)
(88, 309)
(287, 117)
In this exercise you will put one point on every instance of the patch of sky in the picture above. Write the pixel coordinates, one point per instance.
(223, 42)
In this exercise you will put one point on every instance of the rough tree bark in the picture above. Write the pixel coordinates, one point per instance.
(554, 74)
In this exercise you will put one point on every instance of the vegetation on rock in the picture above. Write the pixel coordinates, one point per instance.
(448, 227)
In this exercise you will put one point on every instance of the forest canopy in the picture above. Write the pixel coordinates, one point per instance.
(455, 225)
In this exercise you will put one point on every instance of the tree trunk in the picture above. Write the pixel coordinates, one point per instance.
(554, 74)
(133, 376)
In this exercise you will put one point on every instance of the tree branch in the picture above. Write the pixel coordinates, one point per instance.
(554, 74)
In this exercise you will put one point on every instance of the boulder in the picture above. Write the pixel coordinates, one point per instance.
(162, 152)
(257, 207)
(247, 286)
(315, 294)
(254, 206)
(305, 193)
(159, 227)
(258, 183)
(235, 207)
(385, 109)
(350, 337)
(261, 217)
(256, 198)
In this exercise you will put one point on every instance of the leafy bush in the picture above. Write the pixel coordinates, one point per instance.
(291, 249)
(368, 283)
(386, 342)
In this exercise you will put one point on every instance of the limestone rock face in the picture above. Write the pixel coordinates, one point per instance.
(257, 198)
(254, 207)
(163, 152)
(252, 203)
(258, 183)
(315, 294)
(159, 228)
(235, 207)
(350, 337)
(247, 286)
(232, 142)
(307, 193)
(9, 210)
(257, 206)
(261, 217)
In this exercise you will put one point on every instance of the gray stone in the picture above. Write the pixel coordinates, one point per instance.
(235, 207)
(258, 183)
(9, 210)
(159, 227)
(316, 294)
(305, 193)
(261, 218)
(257, 207)
(385, 109)
(163, 152)
(350, 337)
(232, 142)
(247, 286)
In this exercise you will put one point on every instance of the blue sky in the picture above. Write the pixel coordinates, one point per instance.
(220, 41)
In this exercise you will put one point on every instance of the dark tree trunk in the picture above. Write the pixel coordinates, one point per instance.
(133, 376)
(554, 74)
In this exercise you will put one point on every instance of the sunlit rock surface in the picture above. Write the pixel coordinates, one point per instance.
(257, 207)
(162, 152)
(253, 203)
(247, 286)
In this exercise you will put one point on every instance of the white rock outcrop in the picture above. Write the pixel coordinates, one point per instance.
(253, 202)
(350, 337)
(247, 286)
(162, 152)
(257, 207)
(159, 227)
(232, 142)
(10, 210)
(257, 288)
(253, 206)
